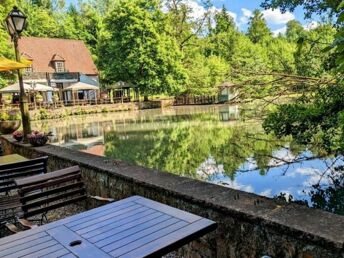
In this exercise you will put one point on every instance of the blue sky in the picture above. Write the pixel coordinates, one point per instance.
(242, 9)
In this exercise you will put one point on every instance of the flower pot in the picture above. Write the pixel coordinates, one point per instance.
(8, 127)
(18, 138)
(38, 141)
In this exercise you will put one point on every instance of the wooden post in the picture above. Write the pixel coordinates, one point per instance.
(73, 97)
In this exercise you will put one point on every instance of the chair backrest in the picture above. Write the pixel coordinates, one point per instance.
(10, 172)
(42, 193)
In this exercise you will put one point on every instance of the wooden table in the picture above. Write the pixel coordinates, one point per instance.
(132, 227)
(12, 158)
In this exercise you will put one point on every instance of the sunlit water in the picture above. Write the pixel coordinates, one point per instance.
(209, 143)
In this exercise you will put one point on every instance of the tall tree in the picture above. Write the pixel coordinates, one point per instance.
(294, 30)
(258, 31)
(223, 21)
(136, 47)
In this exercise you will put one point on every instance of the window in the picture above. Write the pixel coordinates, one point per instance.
(59, 67)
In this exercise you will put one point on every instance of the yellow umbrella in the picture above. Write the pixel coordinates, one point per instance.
(8, 65)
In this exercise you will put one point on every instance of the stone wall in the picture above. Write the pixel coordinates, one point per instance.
(248, 225)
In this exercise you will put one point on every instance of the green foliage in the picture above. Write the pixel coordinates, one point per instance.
(258, 30)
(294, 31)
(136, 47)
(223, 22)
(317, 119)
(205, 74)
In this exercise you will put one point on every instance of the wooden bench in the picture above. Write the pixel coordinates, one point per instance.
(43, 193)
(10, 205)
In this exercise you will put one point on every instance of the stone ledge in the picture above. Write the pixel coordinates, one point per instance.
(313, 226)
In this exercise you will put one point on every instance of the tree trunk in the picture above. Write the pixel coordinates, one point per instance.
(145, 98)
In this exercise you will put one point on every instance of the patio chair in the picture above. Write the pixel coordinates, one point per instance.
(9, 202)
(43, 193)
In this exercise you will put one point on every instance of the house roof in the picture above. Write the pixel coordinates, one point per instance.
(43, 51)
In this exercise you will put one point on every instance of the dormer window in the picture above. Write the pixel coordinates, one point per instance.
(59, 66)
(58, 63)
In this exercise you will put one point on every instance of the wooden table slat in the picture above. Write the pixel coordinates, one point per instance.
(157, 247)
(89, 216)
(148, 238)
(32, 249)
(65, 236)
(180, 214)
(48, 251)
(8, 244)
(115, 214)
(115, 222)
(133, 227)
(68, 256)
(59, 253)
(119, 242)
(125, 224)
(120, 233)
(23, 246)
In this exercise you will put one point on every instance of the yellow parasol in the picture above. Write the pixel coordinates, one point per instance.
(8, 65)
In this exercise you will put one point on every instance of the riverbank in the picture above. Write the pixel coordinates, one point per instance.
(43, 113)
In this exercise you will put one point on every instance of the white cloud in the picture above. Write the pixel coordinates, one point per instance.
(277, 17)
(267, 193)
(311, 25)
(279, 31)
(246, 14)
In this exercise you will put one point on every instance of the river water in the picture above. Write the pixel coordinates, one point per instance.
(209, 143)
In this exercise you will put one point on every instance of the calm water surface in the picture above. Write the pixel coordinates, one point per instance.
(210, 143)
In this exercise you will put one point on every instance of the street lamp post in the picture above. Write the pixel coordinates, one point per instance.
(16, 22)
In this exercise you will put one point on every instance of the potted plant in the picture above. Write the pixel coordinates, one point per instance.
(18, 136)
(9, 120)
(37, 138)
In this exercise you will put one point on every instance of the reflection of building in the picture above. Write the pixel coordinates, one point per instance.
(227, 92)
(58, 62)
(228, 113)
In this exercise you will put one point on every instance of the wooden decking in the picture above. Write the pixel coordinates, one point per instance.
(133, 227)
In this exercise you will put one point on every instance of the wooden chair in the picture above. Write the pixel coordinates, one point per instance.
(10, 205)
(43, 193)
(10, 172)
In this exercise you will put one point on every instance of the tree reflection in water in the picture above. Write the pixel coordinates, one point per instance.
(203, 146)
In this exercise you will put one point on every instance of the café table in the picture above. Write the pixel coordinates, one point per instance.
(11, 158)
(132, 227)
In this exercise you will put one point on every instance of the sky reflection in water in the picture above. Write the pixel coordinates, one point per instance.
(206, 143)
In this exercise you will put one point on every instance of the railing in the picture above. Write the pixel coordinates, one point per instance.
(54, 77)
(34, 76)
(195, 100)
(63, 76)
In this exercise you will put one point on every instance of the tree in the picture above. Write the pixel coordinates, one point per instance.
(258, 31)
(6, 49)
(310, 57)
(281, 55)
(205, 74)
(223, 21)
(294, 30)
(136, 47)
